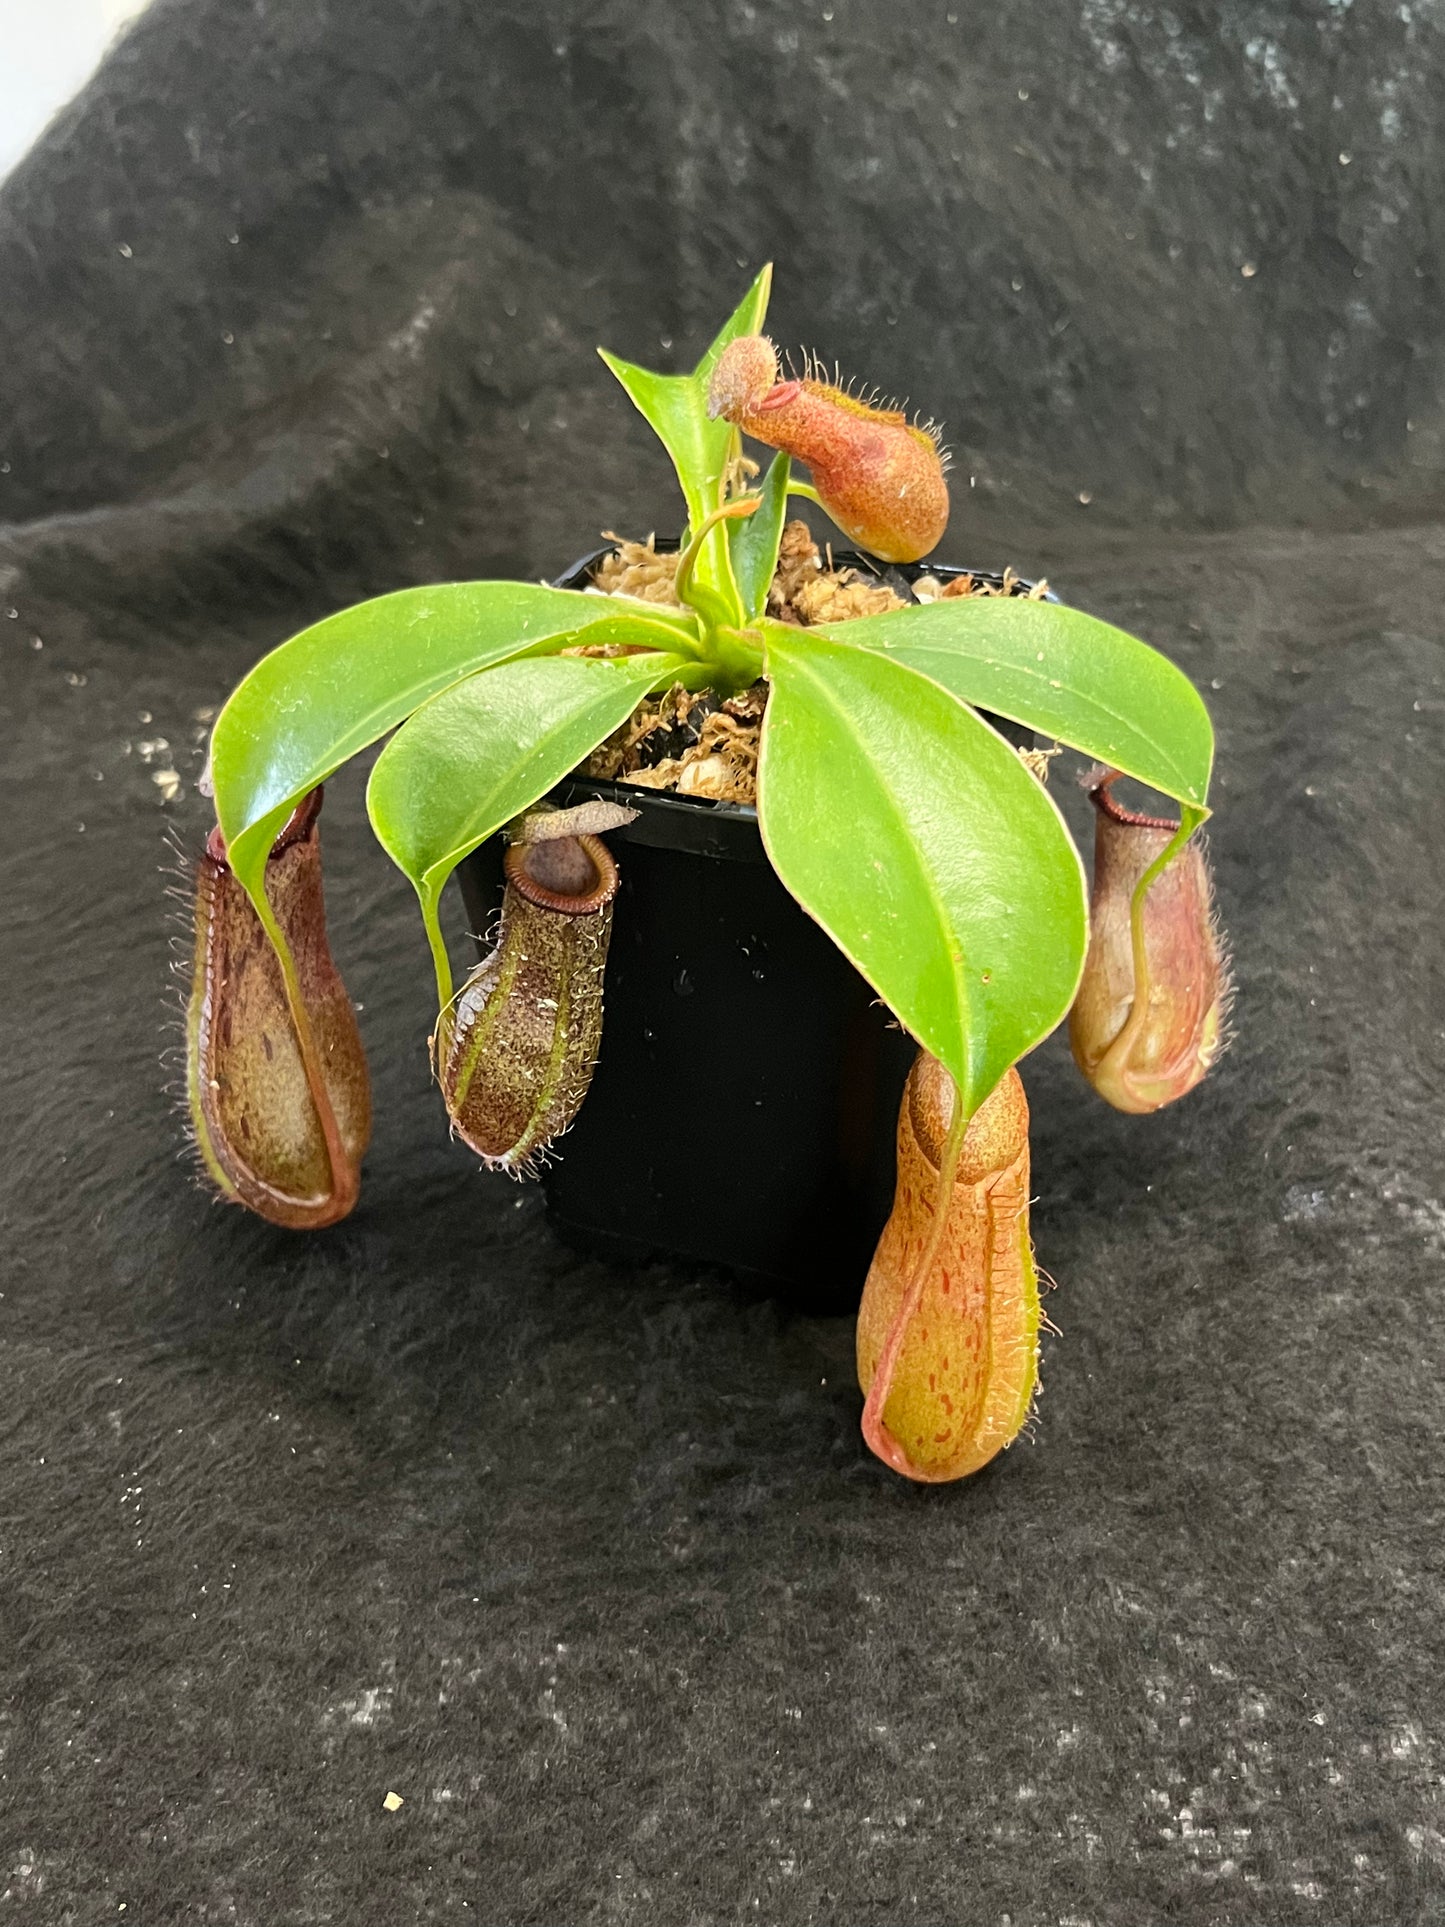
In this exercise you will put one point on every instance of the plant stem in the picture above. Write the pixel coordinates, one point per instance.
(738, 654)
(687, 561)
(441, 963)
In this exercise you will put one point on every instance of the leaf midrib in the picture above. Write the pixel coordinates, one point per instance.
(800, 664)
(1188, 789)
(1165, 755)
(374, 724)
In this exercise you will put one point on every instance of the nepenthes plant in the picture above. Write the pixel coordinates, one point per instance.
(890, 804)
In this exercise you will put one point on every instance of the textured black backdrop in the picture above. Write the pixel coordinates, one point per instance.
(298, 304)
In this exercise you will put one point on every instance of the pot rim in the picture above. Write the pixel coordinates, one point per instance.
(907, 573)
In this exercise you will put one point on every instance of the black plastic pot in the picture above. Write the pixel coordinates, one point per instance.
(744, 1104)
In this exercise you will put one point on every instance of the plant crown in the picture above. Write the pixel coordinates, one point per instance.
(898, 818)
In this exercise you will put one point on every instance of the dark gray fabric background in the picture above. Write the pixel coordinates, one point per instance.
(299, 303)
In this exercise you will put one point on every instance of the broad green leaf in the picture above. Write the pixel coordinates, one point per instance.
(675, 408)
(1060, 672)
(921, 843)
(484, 749)
(755, 542)
(344, 682)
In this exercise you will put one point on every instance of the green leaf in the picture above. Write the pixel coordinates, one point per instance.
(755, 541)
(675, 407)
(1060, 672)
(344, 682)
(921, 843)
(486, 748)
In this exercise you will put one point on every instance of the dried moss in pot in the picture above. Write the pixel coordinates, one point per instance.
(703, 745)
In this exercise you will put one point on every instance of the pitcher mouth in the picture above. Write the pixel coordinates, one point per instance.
(560, 860)
(1101, 795)
(295, 830)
